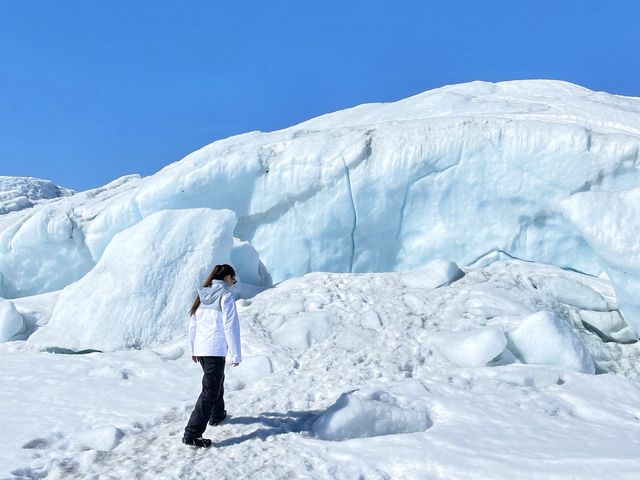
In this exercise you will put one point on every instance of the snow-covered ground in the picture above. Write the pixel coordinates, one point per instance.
(354, 376)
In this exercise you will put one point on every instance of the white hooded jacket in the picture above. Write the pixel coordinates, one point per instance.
(214, 329)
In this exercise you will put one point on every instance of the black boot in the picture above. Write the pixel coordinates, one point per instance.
(214, 421)
(196, 442)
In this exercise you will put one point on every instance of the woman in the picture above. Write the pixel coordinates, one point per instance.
(214, 330)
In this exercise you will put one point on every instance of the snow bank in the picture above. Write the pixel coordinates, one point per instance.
(11, 321)
(373, 412)
(570, 291)
(612, 231)
(139, 292)
(475, 348)
(545, 339)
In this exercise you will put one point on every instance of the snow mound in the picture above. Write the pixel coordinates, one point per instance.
(173, 251)
(475, 348)
(543, 338)
(102, 438)
(302, 330)
(374, 412)
(11, 321)
(249, 371)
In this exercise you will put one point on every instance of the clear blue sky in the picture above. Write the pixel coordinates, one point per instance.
(92, 90)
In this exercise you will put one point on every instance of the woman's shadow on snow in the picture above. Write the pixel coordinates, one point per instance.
(273, 423)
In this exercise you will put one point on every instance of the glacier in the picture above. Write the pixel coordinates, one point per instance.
(469, 173)
(401, 339)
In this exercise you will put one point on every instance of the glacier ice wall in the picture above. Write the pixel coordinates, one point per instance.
(139, 292)
(456, 173)
(610, 221)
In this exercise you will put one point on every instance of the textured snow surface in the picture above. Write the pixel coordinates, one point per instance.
(383, 402)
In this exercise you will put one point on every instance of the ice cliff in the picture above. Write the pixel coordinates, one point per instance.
(465, 172)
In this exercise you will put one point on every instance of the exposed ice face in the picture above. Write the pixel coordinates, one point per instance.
(139, 292)
(453, 173)
(610, 222)
(18, 193)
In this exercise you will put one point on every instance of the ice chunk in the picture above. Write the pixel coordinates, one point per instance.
(436, 273)
(102, 438)
(302, 330)
(139, 292)
(361, 414)
(611, 325)
(11, 321)
(545, 339)
(475, 348)
(570, 291)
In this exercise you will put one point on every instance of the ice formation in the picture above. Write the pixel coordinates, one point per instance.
(461, 172)
(139, 292)
(545, 339)
(18, 193)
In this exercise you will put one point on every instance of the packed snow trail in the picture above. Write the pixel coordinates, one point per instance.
(366, 359)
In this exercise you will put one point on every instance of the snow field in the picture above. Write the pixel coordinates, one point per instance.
(383, 402)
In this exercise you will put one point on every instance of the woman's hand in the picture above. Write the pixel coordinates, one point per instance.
(235, 364)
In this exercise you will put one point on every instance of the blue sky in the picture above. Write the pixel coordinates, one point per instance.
(92, 90)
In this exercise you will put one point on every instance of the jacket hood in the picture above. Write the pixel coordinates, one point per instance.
(212, 295)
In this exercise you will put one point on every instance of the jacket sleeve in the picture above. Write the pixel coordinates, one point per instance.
(192, 331)
(231, 327)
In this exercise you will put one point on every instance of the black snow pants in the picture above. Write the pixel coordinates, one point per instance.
(210, 403)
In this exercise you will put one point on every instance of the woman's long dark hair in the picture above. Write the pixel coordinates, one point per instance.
(218, 273)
